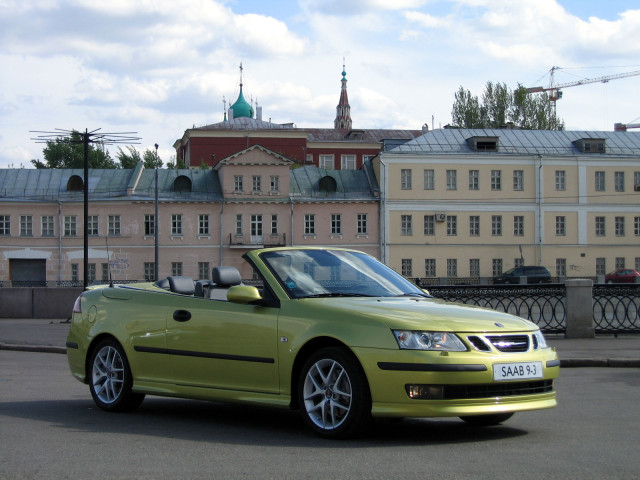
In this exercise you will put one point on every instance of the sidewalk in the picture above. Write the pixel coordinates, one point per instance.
(38, 335)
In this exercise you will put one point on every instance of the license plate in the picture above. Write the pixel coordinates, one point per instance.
(517, 371)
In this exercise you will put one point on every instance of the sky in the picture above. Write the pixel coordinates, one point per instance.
(159, 67)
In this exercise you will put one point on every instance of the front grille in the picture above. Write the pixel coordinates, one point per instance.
(478, 343)
(510, 343)
(509, 389)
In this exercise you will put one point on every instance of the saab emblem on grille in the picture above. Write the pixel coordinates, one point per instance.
(499, 325)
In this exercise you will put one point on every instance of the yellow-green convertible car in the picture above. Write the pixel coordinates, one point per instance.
(331, 332)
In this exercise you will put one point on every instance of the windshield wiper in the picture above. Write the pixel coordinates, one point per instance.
(414, 294)
(336, 294)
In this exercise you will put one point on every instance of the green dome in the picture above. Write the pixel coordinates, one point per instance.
(242, 108)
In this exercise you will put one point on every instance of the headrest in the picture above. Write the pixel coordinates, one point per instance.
(226, 276)
(181, 284)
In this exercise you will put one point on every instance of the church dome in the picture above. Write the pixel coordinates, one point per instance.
(242, 108)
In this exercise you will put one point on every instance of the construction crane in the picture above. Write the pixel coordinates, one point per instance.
(555, 92)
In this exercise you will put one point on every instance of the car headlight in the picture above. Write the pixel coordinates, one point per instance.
(542, 343)
(432, 341)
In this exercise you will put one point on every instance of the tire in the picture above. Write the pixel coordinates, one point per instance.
(333, 394)
(487, 420)
(110, 378)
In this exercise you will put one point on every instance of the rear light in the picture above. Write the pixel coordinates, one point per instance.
(77, 307)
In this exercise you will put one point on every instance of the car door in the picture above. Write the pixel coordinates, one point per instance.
(220, 344)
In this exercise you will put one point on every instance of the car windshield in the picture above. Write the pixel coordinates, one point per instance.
(313, 273)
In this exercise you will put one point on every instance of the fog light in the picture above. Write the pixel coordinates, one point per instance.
(425, 392)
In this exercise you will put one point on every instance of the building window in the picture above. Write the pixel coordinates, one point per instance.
(70, 226)
(496, 266)
(452, 180)
(256, 183)
(91, 273)
(274, 184)
(256, 229)
(636, 225)
(203, 270)
(429, 224)
(600, 186)
(363, 227)
(474, 267)
(239, 225)
(176, 268)
(452, 225)
(474, 225)
(203, 224)
(561, 267)
(518, 262)
(176, 224)
(600, 227)
(637, 264)
(429, 179)
(274, 224)
(407, 269)
(237, 183)
(518, 180)
(309, 158)
(406, 225)
(405, 179)
(496, 179)
(518, 225)
(48, 226)
(496, 225)
(105, 272)
(5, 225)
(636, 181)
(619, 262)
(93, 225)
(452, 267)
(26, 226)
(561, 180)
(114, 225)
(601, 266)
(149, 271)
(619, 226)
(430, 267)
(149, 224)
(336, 224)
(619, 181)
(561, 230)
(326, 162)
(309, 224)
(348, 162)
(474, 179)
(74, 272)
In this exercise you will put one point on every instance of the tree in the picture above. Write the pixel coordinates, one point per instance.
(151, 159)
(501, 106)
(68, 152)
(128, 160)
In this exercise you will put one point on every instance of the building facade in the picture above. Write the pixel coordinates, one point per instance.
(205, 218)
(473, 203)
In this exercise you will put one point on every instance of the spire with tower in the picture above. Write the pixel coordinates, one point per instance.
(343, 110)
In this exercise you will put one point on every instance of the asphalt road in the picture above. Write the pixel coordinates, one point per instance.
(50, 429)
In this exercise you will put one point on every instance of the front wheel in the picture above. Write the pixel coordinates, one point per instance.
(333, 394)
(110, 378)
(487, 420)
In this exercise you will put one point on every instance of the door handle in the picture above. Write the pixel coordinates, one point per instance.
(182, 315)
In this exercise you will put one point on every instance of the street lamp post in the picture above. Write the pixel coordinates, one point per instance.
(157, 222)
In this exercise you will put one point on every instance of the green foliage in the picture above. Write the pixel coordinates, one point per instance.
(130, 159)
(501, 106)
(68, 152)
(151, 159)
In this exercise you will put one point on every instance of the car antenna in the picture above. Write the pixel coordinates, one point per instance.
(106, 241)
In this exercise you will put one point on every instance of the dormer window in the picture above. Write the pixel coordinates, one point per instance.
(182, 184)
(355, 135)
(75, 184)
(328, 184)
(483, 144)
(591, 145)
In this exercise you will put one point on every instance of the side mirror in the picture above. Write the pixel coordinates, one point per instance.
(243, 294)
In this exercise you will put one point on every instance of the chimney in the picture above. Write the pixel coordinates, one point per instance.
(258, 113)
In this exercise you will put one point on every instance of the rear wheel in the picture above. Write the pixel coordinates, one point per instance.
(487, 420)
(110, 378)
(333, 394)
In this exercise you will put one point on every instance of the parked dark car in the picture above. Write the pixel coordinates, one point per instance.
(622, 275)
(533, 274)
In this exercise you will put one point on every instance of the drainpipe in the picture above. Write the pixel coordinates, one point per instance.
(59, 241)
(381, 215)
(221, 230)
(291, 219)
(539, 208)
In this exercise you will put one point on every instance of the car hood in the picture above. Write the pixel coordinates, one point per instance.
(413, 313)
